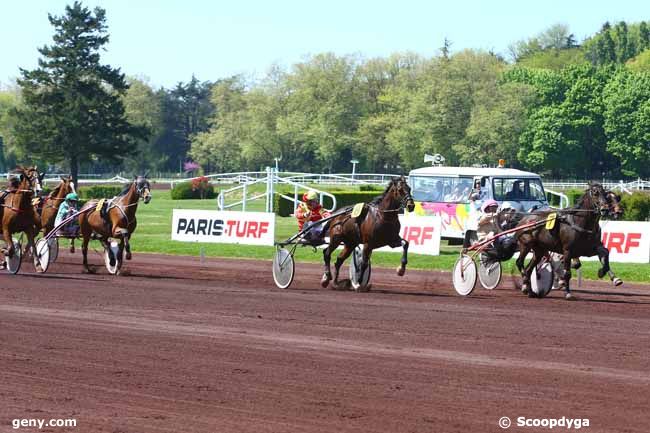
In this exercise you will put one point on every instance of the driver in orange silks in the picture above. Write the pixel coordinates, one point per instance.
(307, 213)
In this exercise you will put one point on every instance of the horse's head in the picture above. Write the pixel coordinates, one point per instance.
(402, 193)
(35, 178)
(614, 201)
(597, 197)
(67, 185)
(142, 188)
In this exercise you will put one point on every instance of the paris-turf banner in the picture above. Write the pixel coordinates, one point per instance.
(251, 228)
(627, 241)
(422, 233)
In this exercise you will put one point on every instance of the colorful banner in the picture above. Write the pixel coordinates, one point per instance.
(251, 228)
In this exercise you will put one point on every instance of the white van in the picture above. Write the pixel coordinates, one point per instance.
(455, 193)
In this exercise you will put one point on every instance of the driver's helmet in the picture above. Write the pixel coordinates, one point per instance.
(509, 205)
(488, 203)
(309, 196)
(71, 197)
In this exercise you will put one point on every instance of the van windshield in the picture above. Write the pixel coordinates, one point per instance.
(441, 188)
(518, 189)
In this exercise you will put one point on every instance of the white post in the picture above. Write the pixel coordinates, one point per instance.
(243, 199)
(268, 189)
(295, 196)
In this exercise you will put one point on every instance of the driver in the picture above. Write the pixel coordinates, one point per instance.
(67, 209)
(308, 212)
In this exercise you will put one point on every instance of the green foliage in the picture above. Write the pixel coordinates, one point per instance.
(186, 191)
(99, 191)
(636, 206)
(640, 63)
(626, 100)
(72, 109)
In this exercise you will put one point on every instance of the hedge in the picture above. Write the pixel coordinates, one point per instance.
(100, 191)
(285, 207)
(185, 191)
(636, 207)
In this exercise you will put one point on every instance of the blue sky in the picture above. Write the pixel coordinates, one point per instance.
(169, 40)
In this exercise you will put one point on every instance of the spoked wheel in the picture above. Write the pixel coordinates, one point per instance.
(489, 272)
(115, 249)
(464, 275)
(53, 243)
(358, 280)
(43, 256)
(541, 279)
(283, 268)
(13, 263)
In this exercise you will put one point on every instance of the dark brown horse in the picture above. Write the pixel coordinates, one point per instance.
(615, 212)
(377, 226)
(120, 221)
(574, 233)
(17, 213)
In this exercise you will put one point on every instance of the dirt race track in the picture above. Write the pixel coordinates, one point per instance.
(180, 347)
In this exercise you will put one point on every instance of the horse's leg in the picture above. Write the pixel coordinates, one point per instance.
(9, 249)
(524, 249)
(339, 262)
(86, 233)
(327, 256)
(528, 270)
(603, 256)
(127, 245)
(72, 245)
(566, 277)
(405, 248)
(365, 260)
(31, 234)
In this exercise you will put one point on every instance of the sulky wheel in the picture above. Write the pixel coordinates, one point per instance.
(464, 276)
(283, 268)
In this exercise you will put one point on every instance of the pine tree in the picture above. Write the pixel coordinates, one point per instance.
(72, 108)
(644, 36)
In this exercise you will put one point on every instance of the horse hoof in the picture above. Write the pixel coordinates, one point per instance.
(601, 273)
(89, 271)
(325, 281)
(128, 256)
(401, 272)
(617, 282)
(525, 289)
(72, 250)
(569, 297)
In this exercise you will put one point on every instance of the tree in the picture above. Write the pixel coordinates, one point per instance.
(72, 108)
(644, 36)
(627, 120)
(143, 108)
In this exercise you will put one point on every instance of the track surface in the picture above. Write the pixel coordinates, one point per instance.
(177, 346)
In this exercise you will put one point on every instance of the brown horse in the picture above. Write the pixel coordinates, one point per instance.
(574, 233)
(50, 205)
(120, 221)
(377, 226)
(17, 213)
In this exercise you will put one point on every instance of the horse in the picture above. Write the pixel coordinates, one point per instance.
(50, 205)
(573, 233)
(376, 226)
(17, 213)
(120, 221)
(615, 211)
